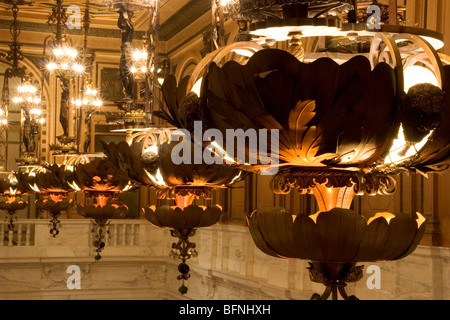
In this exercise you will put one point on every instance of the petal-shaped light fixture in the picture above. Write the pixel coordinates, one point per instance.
(101, 182)
(335, 241)
(12, 190)
(149, 161)
(183, 223)
(50, 183)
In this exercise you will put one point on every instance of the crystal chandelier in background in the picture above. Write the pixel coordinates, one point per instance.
(65, 63)
(77, 108)
(87, 103)
(90, 98)
(64, 60)
(28, 98)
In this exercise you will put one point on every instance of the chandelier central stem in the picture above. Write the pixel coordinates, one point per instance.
(329, 198)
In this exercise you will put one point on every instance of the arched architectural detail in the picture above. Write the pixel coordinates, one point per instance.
(187, 68)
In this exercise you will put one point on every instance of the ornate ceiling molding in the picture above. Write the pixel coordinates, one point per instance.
(93, 32)
(181, 19)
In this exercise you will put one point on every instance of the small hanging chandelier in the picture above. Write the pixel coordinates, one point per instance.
(29, 99)
(139, 63)
(89, 99)
(64, 59)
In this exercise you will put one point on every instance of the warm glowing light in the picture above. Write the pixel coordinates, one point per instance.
(51, 66)
(400, 151)
(314, 216)
(197, 86)
(151, 149)
(127, 187)
(139, 62)
(77, 102)
(78, 68)
(157, 178)
(90, 98)
(237, 177)
(27, 94)
(244, 52)
(34, 187)
(36, 111)
(74, 185)
(58, 52)
(63, 60)
(420, 219)
(386, 215)
(416, 74)
(140, 55)
(70, 52)
(27, 88)
(97, 103)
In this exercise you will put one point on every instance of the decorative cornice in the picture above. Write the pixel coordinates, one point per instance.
(45, 28)
(181, 19)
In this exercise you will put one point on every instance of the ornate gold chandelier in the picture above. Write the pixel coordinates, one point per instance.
(64, 60)
(89, 98)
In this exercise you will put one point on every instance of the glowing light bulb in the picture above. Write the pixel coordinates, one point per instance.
(71, 52)
(58, 52)
(197, 86)
(97, 103)
(51, 66)
(36, 111)
(78, 68)
(416, 74)
(244, 52)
